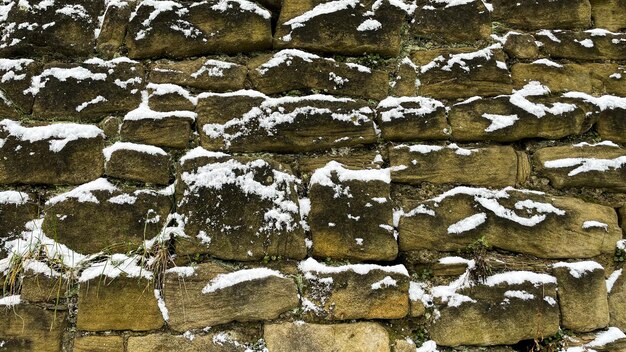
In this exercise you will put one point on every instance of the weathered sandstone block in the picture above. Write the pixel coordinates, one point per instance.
(304, 337)
(99, 344)
(521, 221)
(451, 22)
(584, 165)
(43, 333)
(351, 214)
(616, 286)
(225, 341)
(15, 82)
(292, 69)
(491, 166)
(180, 29)
(161, 128)
(137, 162)
(124, 219)
(593, 44)
(528, 14)
(609, 14)
(248, 121)
(110, 35)
(412, 118)
(16, 209)
(582, 295)
(219, 195)
(62, 153)
(212, 294)
(358, 291)
(345, 27)
(206, 74)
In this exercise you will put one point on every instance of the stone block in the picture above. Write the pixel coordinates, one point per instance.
(583, 165)
(61, 153)
(304, 337)
(517, 220)
(490, 166)
(292, 69)
(137, 162)
(214, 294)
(178, 29)
(219, 195)
(247, 121)
(358, 291)
(348, 28)
(123, 219)
(351, 215)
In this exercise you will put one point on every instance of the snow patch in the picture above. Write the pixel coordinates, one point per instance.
(231, 279)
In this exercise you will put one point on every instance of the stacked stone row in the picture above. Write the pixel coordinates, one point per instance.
(175, 174)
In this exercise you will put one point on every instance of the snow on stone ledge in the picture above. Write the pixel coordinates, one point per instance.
(10, 301)
(426, 148)
(579, 269)
(143, 112)
(58, 134)
(592, 224)
(231, 279)
(13, 197)
(583, 165)
(518, 278)
(311, 265)
(141, 148)
(398, 111)
(323, 176)
(199, 152)
(605, 102)
(83, 192)
(116, 265)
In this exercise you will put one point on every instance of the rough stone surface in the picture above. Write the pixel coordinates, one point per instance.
(357, 337)
(456, 219)
(464, 72)
(250, 122)
(16, 78)
(609, 14)
(612, 125)
(138, 165)
(291, 69)
(412, 118)
(15, 211)
(71, 156)
(617, 301)
(262, 298)
(527, 14)
(180, 30)
(43, 288)
(521, 46)
(461, 23)
(113, 28)
(583, 165)
(491, 166)
(577, 45)
(124, 219)
(208, 74)
(228, 341)
(99, 344)
(122, 303)
(44, 332)
(169, 131)
(582, 297)
(302, 25)
(350, 218)
(218, 196)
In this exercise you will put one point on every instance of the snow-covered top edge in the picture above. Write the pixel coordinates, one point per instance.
(244, 5)
(200, 152)
(547, 62)
(579, 269)
(393, 102)
(519, 277)
(109, 63)
(58, 134)
(116, 265)
(231, 279)
(426, 148)
(605, 102)
(13, 197)
(313, 266)
(453, 260)
(143, 112)
(83, 192)
(141, 148)
(322, 176)
(603, 143)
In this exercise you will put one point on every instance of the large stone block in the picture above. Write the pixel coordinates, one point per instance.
(182, 29)
(351, 215)
(347, 27)
(451, 22)
(529, 14)
(304, 337)
(87, 91)
(14, 85)
(47, 28)
(99, 344)
(609, 14)
(557, 77)
(465, 72)
(582, 295)
(521, 221)
(219, 195)
(412, 118)
(611, 117)
(505, 309)
(16, 209)
(225, 341)
(214, 294)
(137, 162)
(292, 69)
(583, 165)
(207, 74)
(594, 44)
(122, 221)
(617, 298)
(527, 113)
(490, 166)
(247, 121)
(120, 303)
(32, 329)
(358, 291)
(170, 129)
(62, 153)
(110, 35)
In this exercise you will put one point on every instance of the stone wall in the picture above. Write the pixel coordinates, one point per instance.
(312, 175)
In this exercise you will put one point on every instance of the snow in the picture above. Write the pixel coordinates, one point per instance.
(199, 152)
(460, 59)
(143, 112)
(285, 57)
(582, 165)
(13, 197)
(117, 265)
(467, 224)
(605, 102)
(579, 269)
(396, 110)
(58, 134)
(499, 122)
(10, 301)
(12, 65)
(140, 148)
(603, 143)
(595, 224)
(311, 265)
(518, 278)
(604, 338)
(523, 295)
(244, 5)
(83, 193)
(110, 63)
(610, 282)
(387, 281)
(587, 43)
(369, 25)
(62, 74)
(320, 10)
(428, 346)
(451, 3)
(426, 149)
(96, 100)
(547, 62)
(417, 292)
(161, 303)
(535, 88)
(231, 279)
(600, 32)
(549, 34)
(324, 176)
(453, 261)
(74, 11)
(213, 68)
